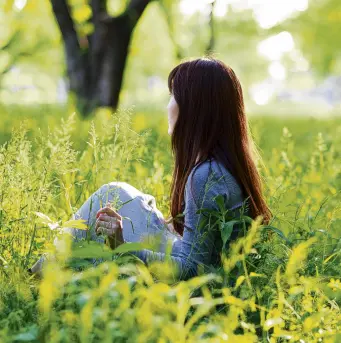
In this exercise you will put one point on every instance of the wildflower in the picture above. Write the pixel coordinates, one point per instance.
(334, 284)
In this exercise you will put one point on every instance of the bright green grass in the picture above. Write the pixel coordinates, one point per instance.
(287, 288)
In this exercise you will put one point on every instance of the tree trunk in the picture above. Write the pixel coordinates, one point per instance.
(96, 67)
(114, 61)
(211, 44)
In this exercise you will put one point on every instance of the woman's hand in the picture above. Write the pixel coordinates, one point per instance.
(109, 223)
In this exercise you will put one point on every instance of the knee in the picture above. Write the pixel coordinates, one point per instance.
(109, 191)
(116, 184)
(109, 187)
(118, 191)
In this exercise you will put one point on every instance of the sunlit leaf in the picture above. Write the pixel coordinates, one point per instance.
(126, 247)
(226, 230)
(91, 249)
(77, 224)
(270, 323)
(274, 229)
(331, 256)
(45, 219)
(239, 281)
(82, 13)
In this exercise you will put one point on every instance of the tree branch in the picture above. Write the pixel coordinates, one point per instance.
(99, 17)
(76, 59)
(99, 7)
(69, 34)
(134, 11)
(211, 43)
(169, 20)
(98, 41)
(99, 11)
(96, 73)
(112, 46)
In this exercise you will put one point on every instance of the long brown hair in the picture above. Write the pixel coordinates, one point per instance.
(212, 123)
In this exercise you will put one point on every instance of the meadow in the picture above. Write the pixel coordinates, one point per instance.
(280, 284)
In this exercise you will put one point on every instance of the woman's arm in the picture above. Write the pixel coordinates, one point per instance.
(196, 246)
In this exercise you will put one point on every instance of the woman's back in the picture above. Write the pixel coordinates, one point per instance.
(204, 183)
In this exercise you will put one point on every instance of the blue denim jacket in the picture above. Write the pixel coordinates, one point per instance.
(204, 247)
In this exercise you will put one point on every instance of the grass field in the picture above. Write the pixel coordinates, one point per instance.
(278, 287)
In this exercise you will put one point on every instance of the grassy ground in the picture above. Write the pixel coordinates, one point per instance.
(282, 287)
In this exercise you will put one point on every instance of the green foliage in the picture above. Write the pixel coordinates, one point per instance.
(316, 31)
(277, 283)
(24, 40)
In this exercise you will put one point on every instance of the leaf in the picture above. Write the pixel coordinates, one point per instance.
(81, 14)
(126, 202)
(200, 280)
(3, 260)
(201, 210)
(77, 224)
(131, 222)
(53, 226)
(209, 211)
(247, 219)
(219, 199)
(331, 256)
(44, 217)
(252, 274)
(279, 232)
(117, 8)
(270, 323)
(202, 224)
(239, 281)
(126, 247)
(226, 230)
(91, 249)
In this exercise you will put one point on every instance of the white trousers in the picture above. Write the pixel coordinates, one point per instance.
(145, 220)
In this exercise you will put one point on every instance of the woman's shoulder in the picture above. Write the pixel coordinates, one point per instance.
(211, 169)
(212, 177)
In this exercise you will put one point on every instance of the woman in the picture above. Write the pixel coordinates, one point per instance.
(213, 154)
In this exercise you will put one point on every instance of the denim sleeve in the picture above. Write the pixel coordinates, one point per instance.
(197, 244)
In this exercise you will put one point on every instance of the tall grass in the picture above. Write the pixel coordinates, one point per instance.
(276, 284)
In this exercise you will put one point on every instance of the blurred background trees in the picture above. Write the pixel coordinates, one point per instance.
(119, 52)
(317, 31)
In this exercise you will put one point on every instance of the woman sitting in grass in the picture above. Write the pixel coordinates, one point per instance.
(213, 155)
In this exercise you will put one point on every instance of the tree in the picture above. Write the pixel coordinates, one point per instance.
(95, 62)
